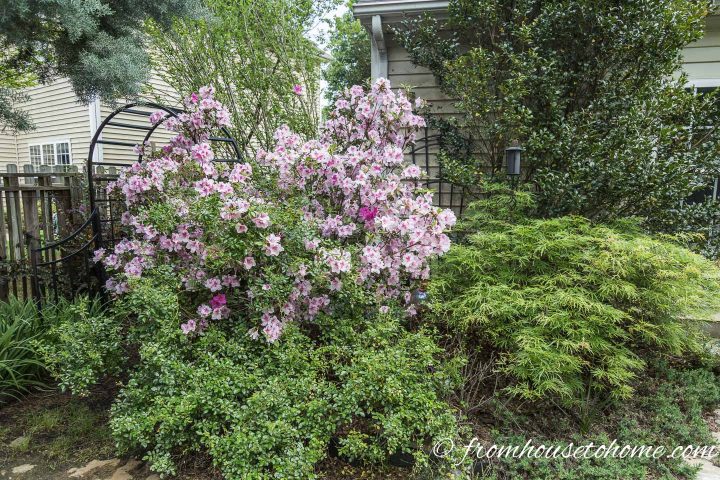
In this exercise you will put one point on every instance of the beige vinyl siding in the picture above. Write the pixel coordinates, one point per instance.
(8, 152)
(701, 59)
(403, 73)
(57, 115)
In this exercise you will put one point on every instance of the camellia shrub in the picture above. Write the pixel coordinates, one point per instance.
(573, 309)
(266, 305)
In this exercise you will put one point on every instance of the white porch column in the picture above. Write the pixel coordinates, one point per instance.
(378, 51)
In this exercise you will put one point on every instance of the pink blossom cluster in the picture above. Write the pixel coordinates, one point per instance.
(363, 192)
(278, 239)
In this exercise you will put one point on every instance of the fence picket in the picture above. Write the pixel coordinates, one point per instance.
(36, 208)
(4, 270)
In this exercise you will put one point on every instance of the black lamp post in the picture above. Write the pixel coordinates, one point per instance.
(512, 160)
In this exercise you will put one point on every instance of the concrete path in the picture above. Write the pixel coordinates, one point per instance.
(111, 469)
(708, 471)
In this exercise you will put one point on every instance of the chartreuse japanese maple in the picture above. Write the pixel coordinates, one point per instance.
(573, 307)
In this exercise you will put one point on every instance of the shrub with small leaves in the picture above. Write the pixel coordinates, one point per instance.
(266, 410)
(82, 344)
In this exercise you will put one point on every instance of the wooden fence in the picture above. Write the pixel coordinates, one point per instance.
(36, 208)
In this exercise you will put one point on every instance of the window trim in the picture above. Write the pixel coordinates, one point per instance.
(54, 142)
(700, 83)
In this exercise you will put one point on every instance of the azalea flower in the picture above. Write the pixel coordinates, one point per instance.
(340, 206)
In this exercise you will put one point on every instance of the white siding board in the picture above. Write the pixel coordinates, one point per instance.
(155, 91)
(8, 153)
(702, 70)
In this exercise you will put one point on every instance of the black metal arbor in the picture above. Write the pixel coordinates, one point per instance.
(70, 267)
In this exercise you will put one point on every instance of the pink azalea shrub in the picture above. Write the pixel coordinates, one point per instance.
(279, 238)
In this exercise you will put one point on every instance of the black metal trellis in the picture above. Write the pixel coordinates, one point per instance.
(447, 195)
(101, 228)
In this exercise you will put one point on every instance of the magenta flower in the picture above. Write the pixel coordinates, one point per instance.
(298, 89)
(368, 214)
(218, 301)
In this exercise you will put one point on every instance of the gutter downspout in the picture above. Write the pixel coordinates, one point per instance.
(95, 120)
(378, 50)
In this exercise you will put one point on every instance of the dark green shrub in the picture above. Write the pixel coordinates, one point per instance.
(264, 410)
(20, 367)
(592, 90)
(82, 343)
(574, 308)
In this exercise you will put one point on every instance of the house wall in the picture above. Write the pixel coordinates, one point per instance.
(8, 153)
(701, 63)
(57, 116)
(701, 59)
(402, 73)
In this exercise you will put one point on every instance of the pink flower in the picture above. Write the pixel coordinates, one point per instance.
(248, 263)
(213, 284)
(262, 220)
(205, 187)
(156, 116)
(206, 92)
(188, 327)
(220, 313)
(218, 301)
(230, 281)
(202, 152)
(204, 310)
(98, 255)
(273, 247)
(345, 195)
(335, 284)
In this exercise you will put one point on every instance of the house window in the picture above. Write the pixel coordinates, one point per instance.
(710, 192)
(62, 153)
(51, 154)
(35, 155)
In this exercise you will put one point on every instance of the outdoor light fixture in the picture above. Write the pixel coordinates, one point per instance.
(512, 159)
